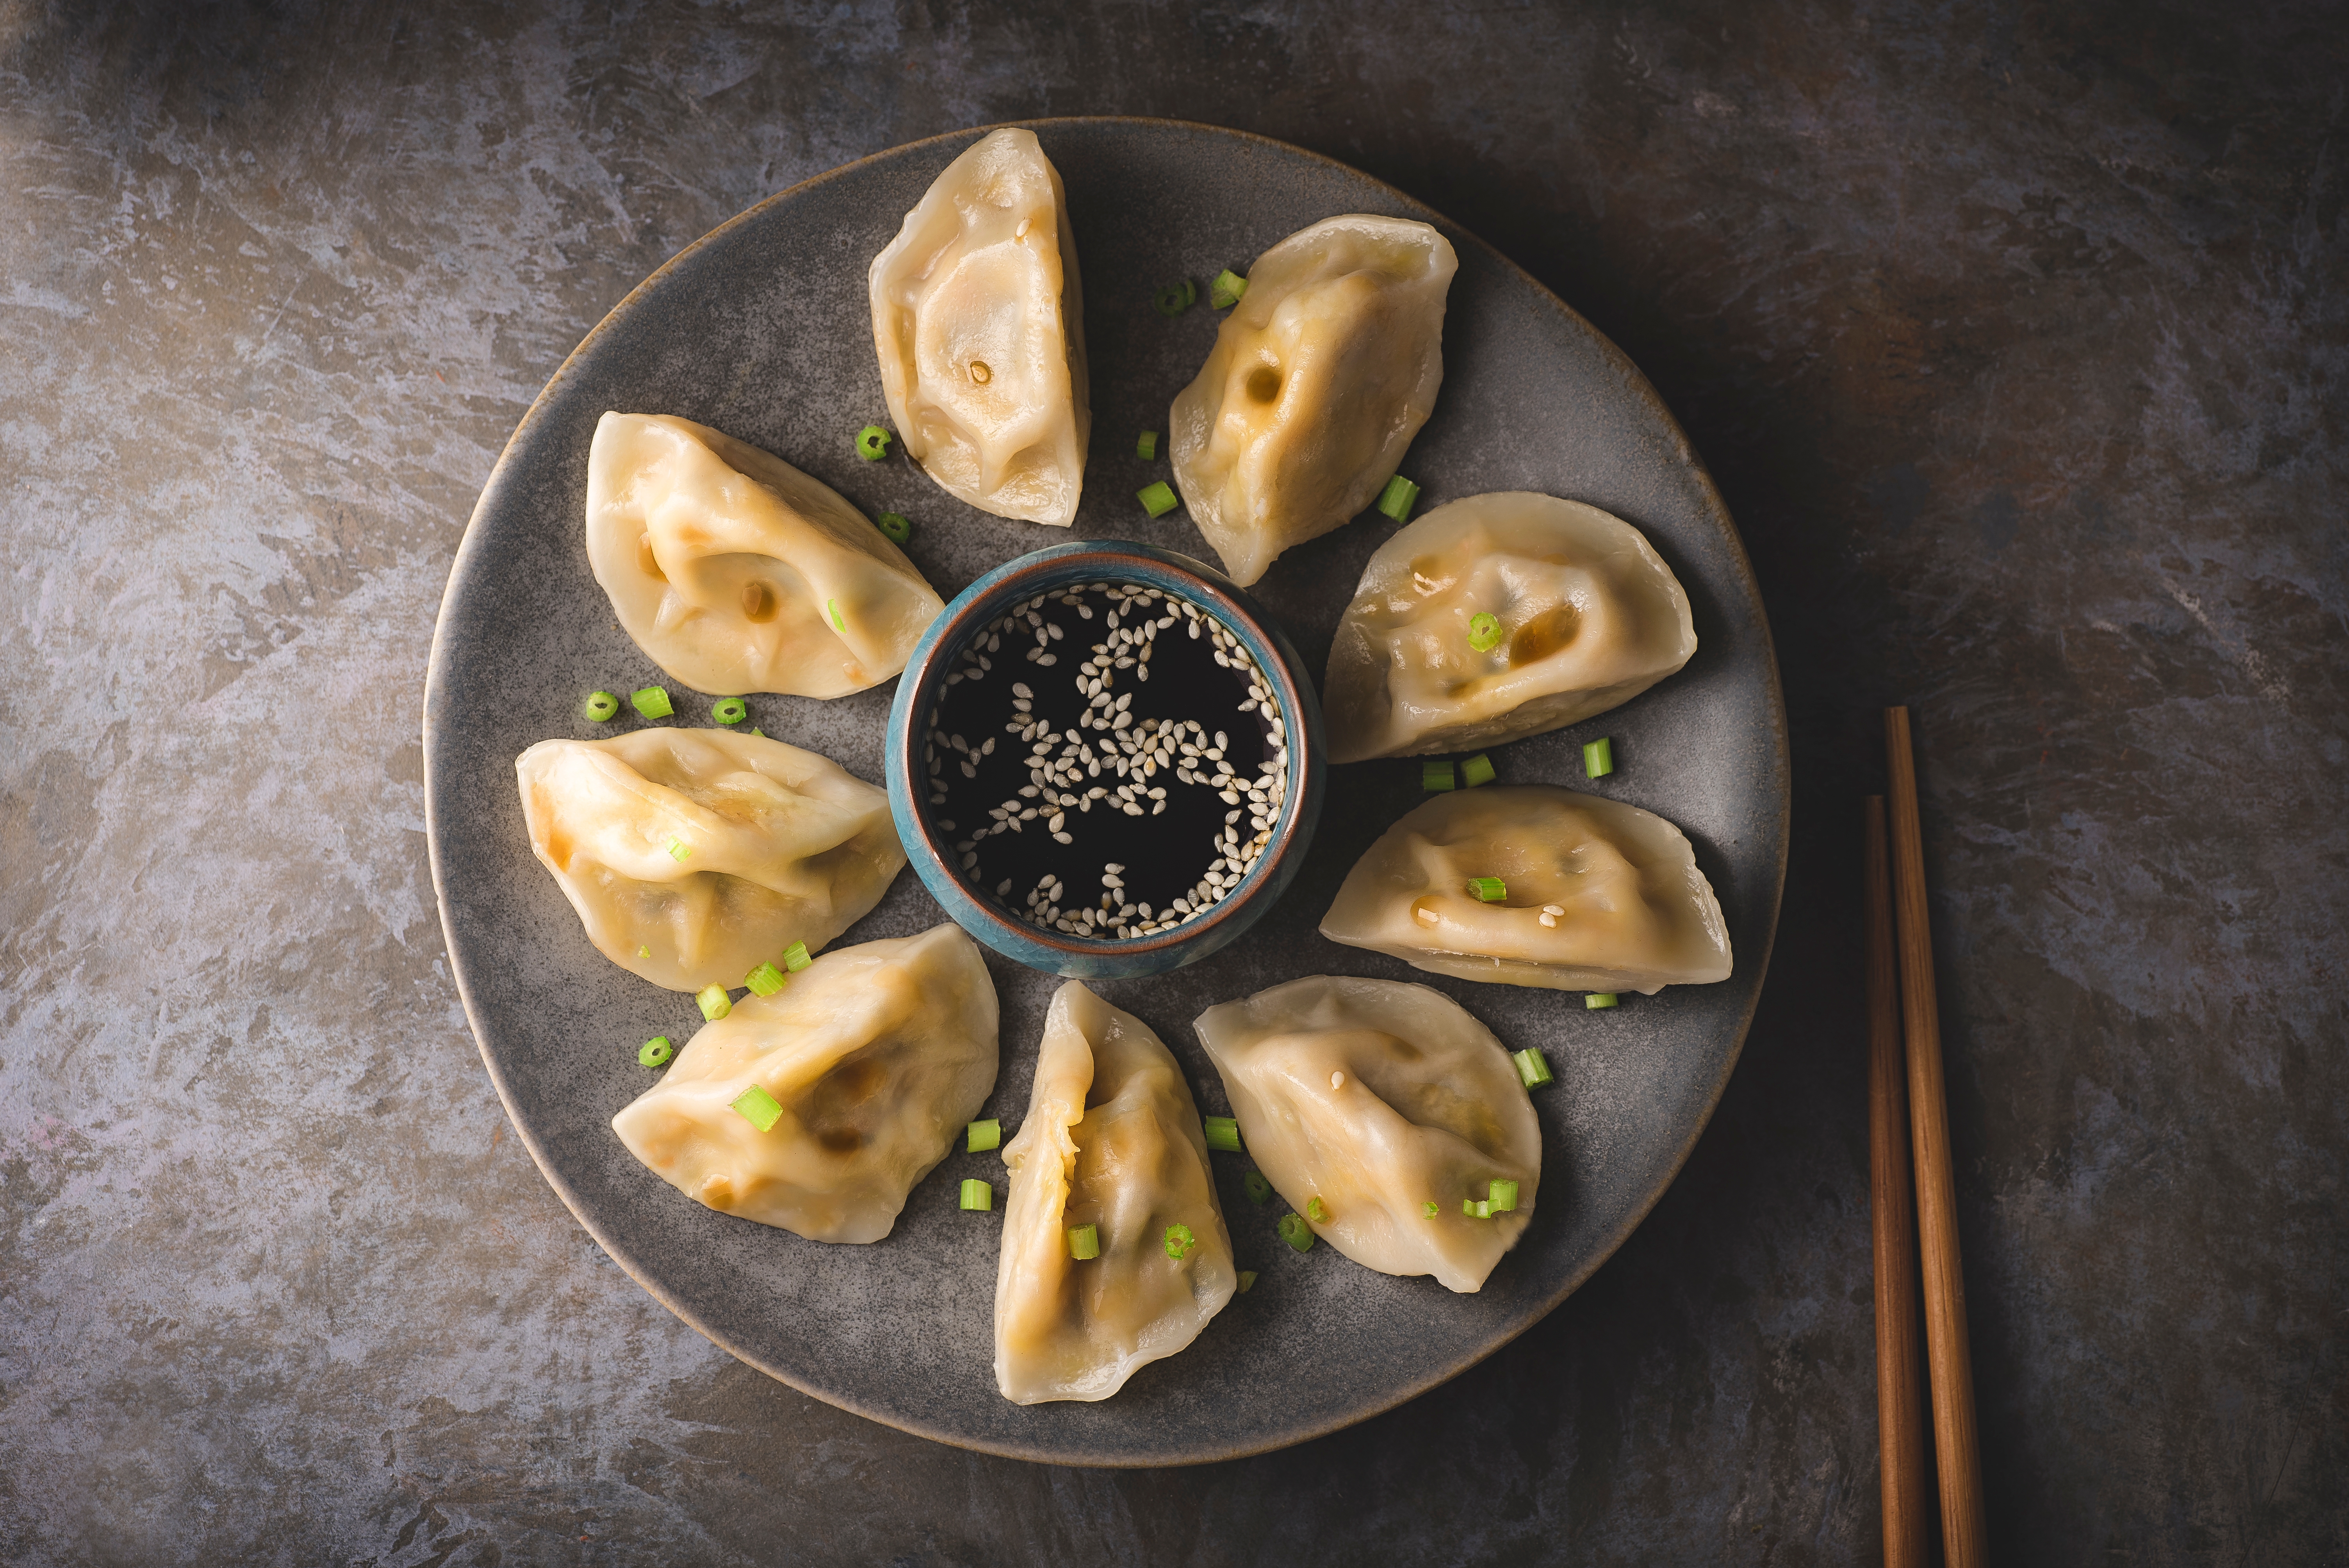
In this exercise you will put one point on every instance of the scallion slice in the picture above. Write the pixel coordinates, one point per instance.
(1296, 1231)
(715, 1004)
(895, 525)
(765, 980)
(832, 608)
(1598, 758)
(1436, 777)
(873, 443)
(1224, 1133)
(795, 957)
(1476, 1208)
(1477, 769)
(1317, 1210)
(1533, 1066)
(1483, 631)
(1157, 500)
(977, 1195)
(652, 702)
(1175, 297)
(642, 951)
(679, 849)
(1595, 1000)
(602, 706)
(1259, 1191)
(1396, 499)
(981, 1136)
(1492, 889)
(730, 710)
(1247, 1282)
(655, 1051)
(1503, 1197)
(1226, 291)
(758, 1108)
(1431, 1209)
(1084, 1242)
(1145, 445)
(1179, 1242)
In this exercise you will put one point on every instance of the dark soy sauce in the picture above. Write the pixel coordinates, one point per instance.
(1133, 742)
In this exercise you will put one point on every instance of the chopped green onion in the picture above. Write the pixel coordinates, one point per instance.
(1226, 291)
(1477, 769)
(1396, 499)
(1598, 758)
(1483, 631)
(1436, 777)
(765, 980)
(678, 849)
(757, 731)
(1296, 1231)
(981, 1136)
(832, 607)
(651, 701)
(642, 951)
(1259, 1189)
(1084, 1242)
(602, 705)
(1175, 297)
(873, 443)
(715, 1004)
(1157, 500)
(894, 524)
(1533, 1066)
(1492, 889)
(1145, 445)
(1247, 1282)
(977, 1194)
(655, 1051)
(1317, 1210)
(731, 711)
(1476, 1208)
(795, 957)
(1431, 1209)
(1179, 1242)
(1503, 1196)
(1224, 1133)
(758, 1107)
(1595, 1000)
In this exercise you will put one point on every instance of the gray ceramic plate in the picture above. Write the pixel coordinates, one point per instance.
(762, 330)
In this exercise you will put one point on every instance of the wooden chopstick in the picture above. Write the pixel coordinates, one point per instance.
(1964, 1533)
(1900, 1397)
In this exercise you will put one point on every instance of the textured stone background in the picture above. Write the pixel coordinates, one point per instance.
(2018, 337)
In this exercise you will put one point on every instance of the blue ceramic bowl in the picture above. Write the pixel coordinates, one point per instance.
(980, 913)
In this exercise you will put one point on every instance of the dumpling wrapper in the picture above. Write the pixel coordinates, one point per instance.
(1640, 915)
(979, 320)
(1379, 1097)
(781, 846)
(1590, 617)
(878, 1054)
(1319, 379)
(1111, 1140)
(727, 565)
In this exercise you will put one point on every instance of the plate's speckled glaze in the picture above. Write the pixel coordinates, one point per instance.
(762, 329)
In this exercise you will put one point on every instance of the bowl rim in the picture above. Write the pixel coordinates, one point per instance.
(974, 909)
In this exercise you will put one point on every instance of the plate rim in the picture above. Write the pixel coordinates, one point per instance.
(466, 561)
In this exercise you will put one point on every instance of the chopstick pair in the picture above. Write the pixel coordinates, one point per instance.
(1908, 1107)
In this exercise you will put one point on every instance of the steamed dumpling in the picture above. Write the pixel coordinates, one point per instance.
(1379, 1098)
(1629, 910)
(1318, 379)
(735, 572)
(1589, 617)
(693, 856)
(878, 1056)
(1112, 1141)
(980, 324)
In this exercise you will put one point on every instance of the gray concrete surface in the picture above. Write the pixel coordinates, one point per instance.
(2017, 337)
